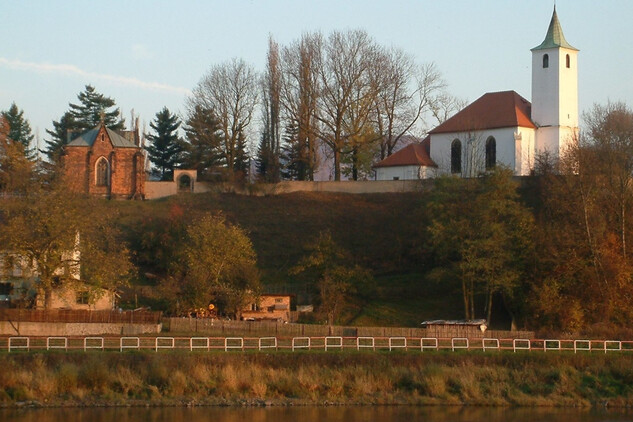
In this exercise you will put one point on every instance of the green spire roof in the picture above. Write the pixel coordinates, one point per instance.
(554, 37)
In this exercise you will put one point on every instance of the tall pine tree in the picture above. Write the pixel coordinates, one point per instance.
(166, 147)
(86, 115)
(20, 129)
(203, 146)
(93, 107)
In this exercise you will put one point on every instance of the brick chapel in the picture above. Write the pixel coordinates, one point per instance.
(106, 163)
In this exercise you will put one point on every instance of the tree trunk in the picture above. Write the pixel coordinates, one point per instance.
(465, 295)
(489, 308)
(48, 298)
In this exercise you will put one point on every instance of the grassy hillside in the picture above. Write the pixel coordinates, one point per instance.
(381, 232)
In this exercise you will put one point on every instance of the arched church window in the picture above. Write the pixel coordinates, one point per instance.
(545, 61)
(567, 61)
(103, 172)
(456, 156)
(491, 153)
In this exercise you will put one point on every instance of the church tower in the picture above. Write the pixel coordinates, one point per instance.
(555, 91)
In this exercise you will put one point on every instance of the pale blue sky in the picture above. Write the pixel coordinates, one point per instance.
(148, 54)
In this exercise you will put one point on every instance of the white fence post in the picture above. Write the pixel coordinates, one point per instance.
(495, 341)
(578, 342)
(433, 346)
(18, 339)
(516, 347)
(87, 339)
(195, 339)
(170, 343)
(261, 344)
(617, 343)
(555, 342)
(51, 340)
(360, 343)
(455, 343)
(135, 345)
(238, 345)
(295, 340)
(338, 344)
(393, 345)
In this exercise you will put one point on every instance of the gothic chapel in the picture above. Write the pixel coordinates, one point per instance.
(106, 163)
(502, 127)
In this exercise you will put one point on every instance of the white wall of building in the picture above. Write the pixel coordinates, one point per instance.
(404, 173)
(474, 149)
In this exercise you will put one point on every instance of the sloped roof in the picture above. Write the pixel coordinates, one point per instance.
(492, 110)
(554, 37)
(87, 139)
(412, 155)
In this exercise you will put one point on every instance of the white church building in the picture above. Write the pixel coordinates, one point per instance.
(502, 127)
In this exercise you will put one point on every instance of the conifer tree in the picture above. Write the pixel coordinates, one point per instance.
(86, 115)
(20, 129)
(202, 149)
(166, 147)
(60, 136)
(93, 108)
(242, 159)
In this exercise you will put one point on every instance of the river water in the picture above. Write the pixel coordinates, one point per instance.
(314, 414)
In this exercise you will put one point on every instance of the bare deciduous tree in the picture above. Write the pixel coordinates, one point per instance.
(404, 93)
(346, 95)
(299, 94)
(231, 91)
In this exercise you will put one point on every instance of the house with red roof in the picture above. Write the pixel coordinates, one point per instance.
(502, 128)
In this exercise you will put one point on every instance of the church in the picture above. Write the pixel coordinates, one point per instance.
(502, 128)
(106, 163)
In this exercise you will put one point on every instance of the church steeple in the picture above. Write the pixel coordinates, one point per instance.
(554, 37)
(555, 90)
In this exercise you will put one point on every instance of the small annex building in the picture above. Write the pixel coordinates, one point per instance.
(504, 128)
(409, 163)
(106, 163)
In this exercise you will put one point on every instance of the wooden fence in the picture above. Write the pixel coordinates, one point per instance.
(265, 328)
(80, 316)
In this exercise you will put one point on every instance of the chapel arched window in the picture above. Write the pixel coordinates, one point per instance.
(456, 156)
(103, 172)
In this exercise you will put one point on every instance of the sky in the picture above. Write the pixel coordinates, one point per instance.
(149, 54)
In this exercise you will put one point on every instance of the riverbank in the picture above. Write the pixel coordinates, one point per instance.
(267, 379)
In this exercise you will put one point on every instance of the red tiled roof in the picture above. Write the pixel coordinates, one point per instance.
(492, 110)
(411, 155)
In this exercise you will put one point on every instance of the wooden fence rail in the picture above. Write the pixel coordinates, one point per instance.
(80, 316)
(268, 328)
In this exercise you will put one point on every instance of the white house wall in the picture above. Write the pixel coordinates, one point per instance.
(506, 148)
(403, 173)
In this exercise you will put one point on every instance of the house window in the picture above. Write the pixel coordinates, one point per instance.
(567, 61)
(396, 178)
(83, 298)
(456, 156)
(545, 61)
(491, 153)
(102, 172)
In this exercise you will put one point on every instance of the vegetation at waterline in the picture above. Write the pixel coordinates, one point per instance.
(316, 378)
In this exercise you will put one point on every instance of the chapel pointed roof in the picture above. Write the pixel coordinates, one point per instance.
(554, 37)
(87, 139)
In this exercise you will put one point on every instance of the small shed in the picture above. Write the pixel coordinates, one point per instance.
(442, 328)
